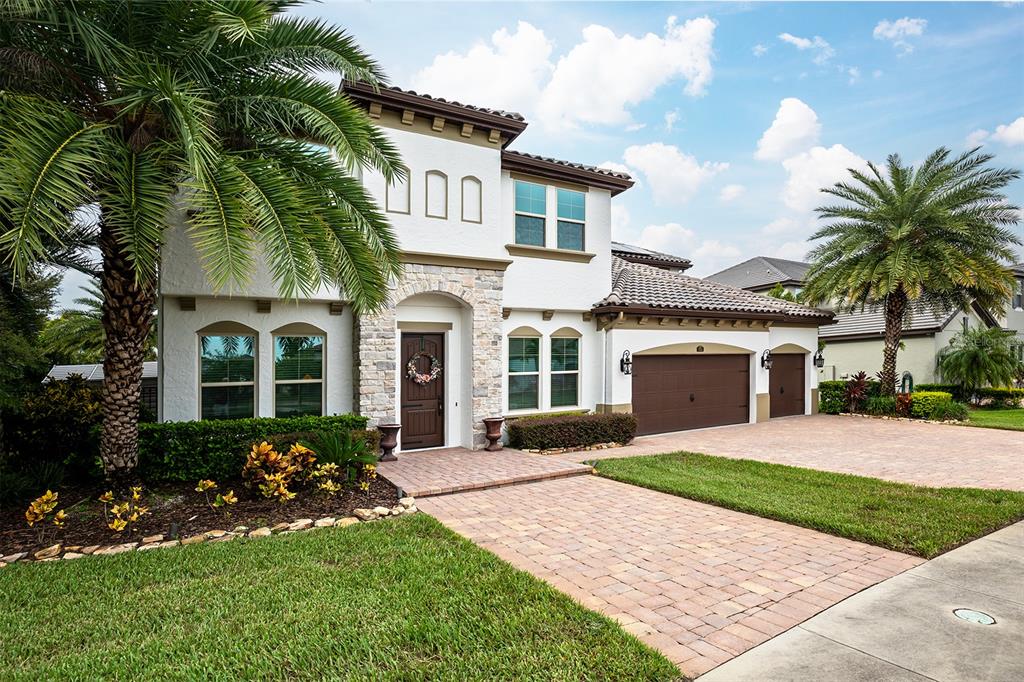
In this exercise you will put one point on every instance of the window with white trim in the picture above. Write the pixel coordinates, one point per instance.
(531, 213)
(227, 376)
(1018, 295)
(572, 214)
(437, 194)
(298, 376)
(565, 371)
(523, 372)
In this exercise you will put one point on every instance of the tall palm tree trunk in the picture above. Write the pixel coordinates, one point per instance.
(895, 311)
(127, 316)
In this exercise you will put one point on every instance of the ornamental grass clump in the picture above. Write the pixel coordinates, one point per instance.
(44, 510)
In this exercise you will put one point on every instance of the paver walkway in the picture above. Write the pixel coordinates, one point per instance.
(904, 628)
(700, 583)
(938, 455)
(450, 470)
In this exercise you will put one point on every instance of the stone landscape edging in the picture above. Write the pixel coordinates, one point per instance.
(406, 505)
(900, 419)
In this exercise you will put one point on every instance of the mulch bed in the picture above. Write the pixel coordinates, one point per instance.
(178, 511)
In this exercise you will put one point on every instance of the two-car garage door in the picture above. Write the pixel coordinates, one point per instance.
(677, 392)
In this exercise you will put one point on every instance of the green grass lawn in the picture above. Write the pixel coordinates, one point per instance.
(912, 519)
(1012, 419)
(400, 599)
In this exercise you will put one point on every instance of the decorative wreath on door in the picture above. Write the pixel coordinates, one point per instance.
(422, 378)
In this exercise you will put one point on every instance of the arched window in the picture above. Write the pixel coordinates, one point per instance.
(298, 371)
(397, 199)
(472, 200)
(227, 371)
(524, 369)
(565, 368)
(437, 194)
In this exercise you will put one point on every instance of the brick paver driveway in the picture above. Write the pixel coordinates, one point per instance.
(939, 455)
(700, 583)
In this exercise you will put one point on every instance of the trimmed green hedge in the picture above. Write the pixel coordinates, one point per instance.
(953, 390)
(1002, 397)
(832, 397)
(925, 402)
(573, 431)
(216, 449)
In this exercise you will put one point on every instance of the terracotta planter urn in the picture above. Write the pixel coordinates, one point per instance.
(388, 441)
(493, 434)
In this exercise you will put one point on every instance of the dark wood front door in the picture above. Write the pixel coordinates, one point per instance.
(422, 405)
(786, 384)
(677, 392)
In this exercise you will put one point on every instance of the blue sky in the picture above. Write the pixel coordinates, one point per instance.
(730, 115)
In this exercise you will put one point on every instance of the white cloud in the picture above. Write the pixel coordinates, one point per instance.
(898, 32)
(620, 221)
(976, 138)
(506, 73)
(1011, 135)
(708, 255)
(759, 50)
(877, 73)
(674, 176)
(794, 129)
(601, 77)
(731, 192)
(816, 168)
(822, 50)
(633, 127)
(782, 226)
(596, 82)
(671, 118)
(854, 73)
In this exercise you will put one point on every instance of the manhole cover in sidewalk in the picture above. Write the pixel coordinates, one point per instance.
(972, 616)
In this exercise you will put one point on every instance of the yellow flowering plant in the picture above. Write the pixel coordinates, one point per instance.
(43, 509)
(121, 516)
(272, 472)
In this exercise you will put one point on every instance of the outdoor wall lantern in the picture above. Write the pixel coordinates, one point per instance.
(766, 359)
(626, 363)
(819, 360)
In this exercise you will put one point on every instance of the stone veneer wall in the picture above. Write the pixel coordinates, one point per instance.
(376, 341)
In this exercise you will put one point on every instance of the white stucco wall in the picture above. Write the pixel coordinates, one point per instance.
(179, 351)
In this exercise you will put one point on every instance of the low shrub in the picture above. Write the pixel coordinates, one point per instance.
(924, 402)
(189, 451)
(548, 415)
(573, 431)
(944, 411)
(904, 401)
(832, 397)
(880, 406)
(1001, 397)
(858, 389)
(952, 389)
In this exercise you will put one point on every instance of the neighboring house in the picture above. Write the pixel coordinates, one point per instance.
(93, 373)
(854, 343)
(513, 298)
(1013, 320)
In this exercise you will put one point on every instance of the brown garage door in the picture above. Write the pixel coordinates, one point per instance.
(786, 384)
(676, 392)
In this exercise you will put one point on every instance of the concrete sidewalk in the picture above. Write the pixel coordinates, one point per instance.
(904, 628)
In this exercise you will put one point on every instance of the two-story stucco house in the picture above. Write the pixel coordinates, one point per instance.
(513, 301)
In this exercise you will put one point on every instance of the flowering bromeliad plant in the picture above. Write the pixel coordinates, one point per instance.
(43, 509)
(271, 472)
(121, 516)
(220, 500)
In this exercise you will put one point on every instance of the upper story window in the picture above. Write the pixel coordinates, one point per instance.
(227, 373)
(437, 194)
(1018, 295)
(571, 219)
(397, 198)
(298, 376)
(531, 212)
(523, 372)
(472, 200)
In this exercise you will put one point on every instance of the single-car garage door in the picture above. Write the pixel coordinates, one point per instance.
(786, 384)
(677, 392)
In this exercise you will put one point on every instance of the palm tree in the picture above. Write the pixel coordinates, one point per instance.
(77, 335)
(979, 357)
(121, 108)
(938, 234)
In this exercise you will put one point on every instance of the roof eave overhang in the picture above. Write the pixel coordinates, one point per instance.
(556, 171)
(880, 336)
(363, 93)
(654, 311)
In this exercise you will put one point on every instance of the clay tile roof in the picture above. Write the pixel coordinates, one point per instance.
(472, 107)
(571, 164)
(762, 272)
(643, 287)
(638, 254)
(556, 169)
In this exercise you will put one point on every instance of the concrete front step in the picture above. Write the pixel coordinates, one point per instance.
(454, 470)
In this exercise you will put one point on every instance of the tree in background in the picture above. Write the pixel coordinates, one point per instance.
(779, 291)
(77, 336)
(938, 234)
(121, 107)
(979, 357)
